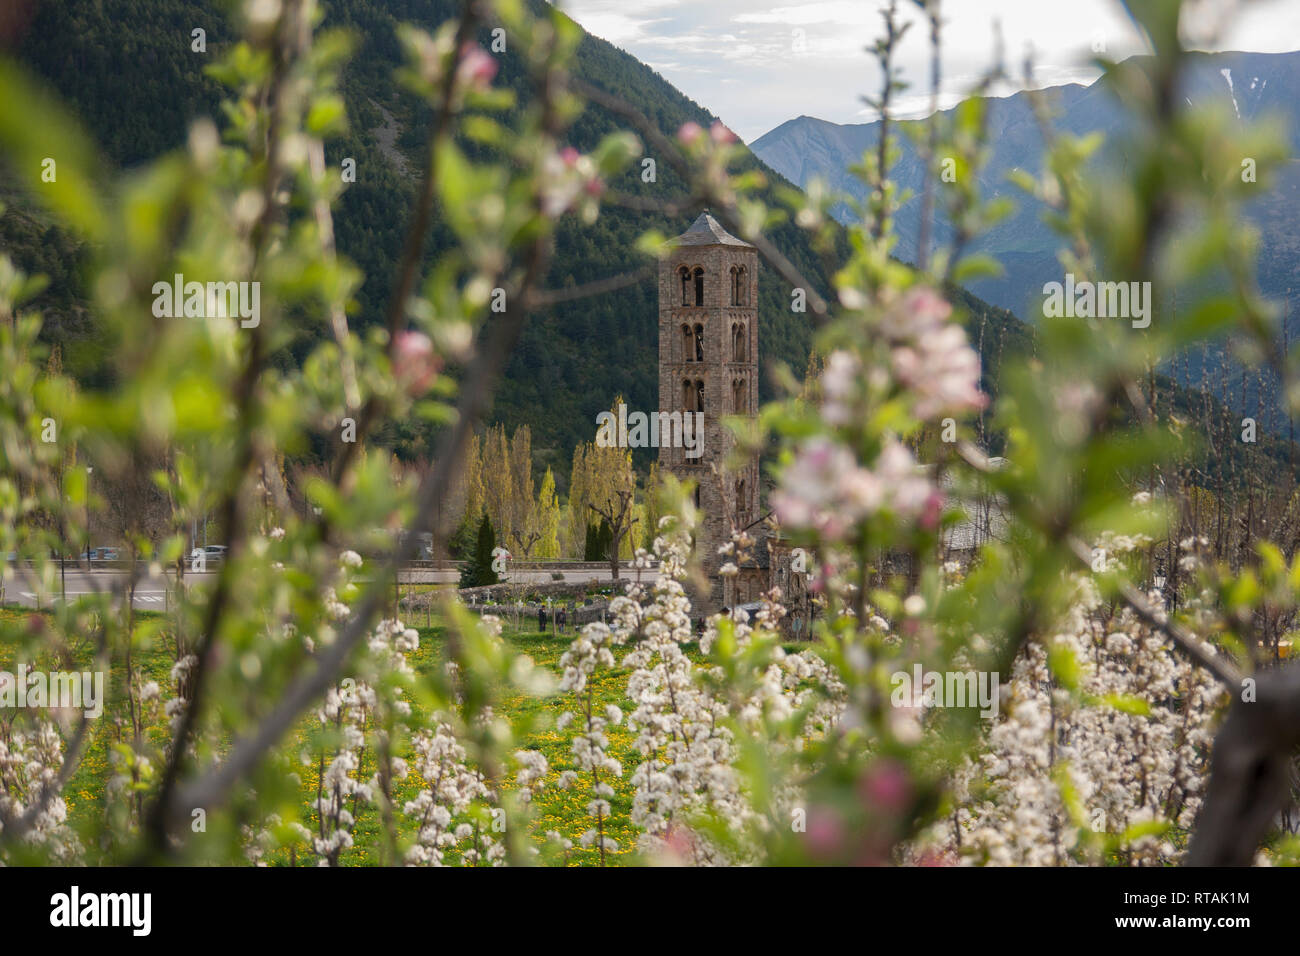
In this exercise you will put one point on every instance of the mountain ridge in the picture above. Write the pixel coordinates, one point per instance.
(572, 361)
(1241, 84)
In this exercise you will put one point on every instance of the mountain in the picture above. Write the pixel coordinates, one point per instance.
(1250, 85)
(1246, 86)
(126, 70)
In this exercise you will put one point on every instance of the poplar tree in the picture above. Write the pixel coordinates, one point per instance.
(498, 481)
(548, 519)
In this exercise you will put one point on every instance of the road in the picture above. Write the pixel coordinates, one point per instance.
(150, 594)
(151, 591)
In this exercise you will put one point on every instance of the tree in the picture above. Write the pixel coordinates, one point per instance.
(462, 542)
(525, 539)
(598, 474)
(473, 479)
(616, 519)
(498, 481)
(650, 528)
(523, 504)
(548, 518)
(479, 572)
(578, 519)
(235, 405)
(636, 522)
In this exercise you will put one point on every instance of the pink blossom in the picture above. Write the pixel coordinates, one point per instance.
(477, 67)
(817, 584)
(826, 832)
(932, 511)
(678, 845)
(825, 488)
(720, 134)
(919, 311)
(415, 364)
(934, 858)
(942, 371)
(909, 490)
(566, 177)
(862, 491)
(886, 785)
(929, 356)
(689, 132)
(839, 385)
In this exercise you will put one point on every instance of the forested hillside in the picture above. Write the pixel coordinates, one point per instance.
(574, 360)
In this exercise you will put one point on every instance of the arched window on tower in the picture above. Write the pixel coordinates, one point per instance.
(685, 275)
(699, 286)
(735, 285)
(688, 395)
(739, 341)
(699, 343)
(688, 344)
(742, 286)
(699, 396)
(738, 395)
(742, 511)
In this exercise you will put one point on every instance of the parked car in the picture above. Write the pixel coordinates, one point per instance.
(99, 554)
(212, 554)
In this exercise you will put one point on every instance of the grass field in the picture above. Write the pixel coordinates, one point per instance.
(559, 810)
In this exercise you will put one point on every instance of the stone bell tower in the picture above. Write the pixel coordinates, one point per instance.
(708, 362)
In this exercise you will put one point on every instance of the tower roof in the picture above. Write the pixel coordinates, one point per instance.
(706, 231)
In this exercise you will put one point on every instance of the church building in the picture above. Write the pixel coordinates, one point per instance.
(708, 363)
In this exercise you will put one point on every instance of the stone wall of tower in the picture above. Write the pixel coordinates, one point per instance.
(728, 380)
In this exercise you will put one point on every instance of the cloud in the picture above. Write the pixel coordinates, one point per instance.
(618, 28)
(610, 19)
(739, 58)
(840, 13)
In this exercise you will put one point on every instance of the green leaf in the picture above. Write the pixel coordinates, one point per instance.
(36, 131)
(977, 266)
(328, 115)
(1128, 704)
(1065, 668)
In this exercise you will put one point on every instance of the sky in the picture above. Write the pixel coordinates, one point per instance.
(758, 63)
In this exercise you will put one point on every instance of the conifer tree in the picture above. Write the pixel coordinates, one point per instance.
(478, 571)
(483, 552)
(465, 537)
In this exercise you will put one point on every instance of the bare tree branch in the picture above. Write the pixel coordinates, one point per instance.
(725, 209)
(545, 297)
(1249, 772)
